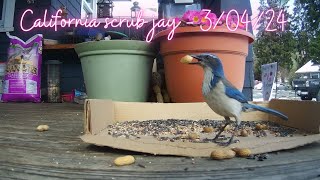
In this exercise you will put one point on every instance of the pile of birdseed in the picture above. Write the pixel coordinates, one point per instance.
(202, 131)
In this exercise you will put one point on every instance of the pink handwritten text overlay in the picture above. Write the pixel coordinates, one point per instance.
(242, 20)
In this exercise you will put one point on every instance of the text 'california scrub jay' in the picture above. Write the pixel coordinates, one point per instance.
(221, 96)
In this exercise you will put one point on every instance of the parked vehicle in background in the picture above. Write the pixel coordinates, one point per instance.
(307, 88)
(307, 82)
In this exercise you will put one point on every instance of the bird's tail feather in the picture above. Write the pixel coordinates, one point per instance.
(266, 110)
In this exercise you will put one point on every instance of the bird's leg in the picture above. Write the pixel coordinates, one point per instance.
(233, 134)
(222, 129)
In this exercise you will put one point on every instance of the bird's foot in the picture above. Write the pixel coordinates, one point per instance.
(220, 138)
(216, 138)
(224, 143)
(227, 143)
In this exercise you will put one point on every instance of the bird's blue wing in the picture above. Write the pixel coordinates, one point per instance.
(233, 92)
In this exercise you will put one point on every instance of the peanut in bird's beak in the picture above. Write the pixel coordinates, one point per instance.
(188, 59)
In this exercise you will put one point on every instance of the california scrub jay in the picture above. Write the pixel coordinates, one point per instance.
(221, 96)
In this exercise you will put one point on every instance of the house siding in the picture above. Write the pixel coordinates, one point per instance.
(73, 7)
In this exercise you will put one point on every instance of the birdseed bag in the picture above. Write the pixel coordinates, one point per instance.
(22, 79)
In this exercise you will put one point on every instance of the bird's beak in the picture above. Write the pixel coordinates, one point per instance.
(195, 57)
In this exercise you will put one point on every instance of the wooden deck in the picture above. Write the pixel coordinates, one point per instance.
(59, 153)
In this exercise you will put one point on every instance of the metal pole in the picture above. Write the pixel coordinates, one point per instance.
(277, 80)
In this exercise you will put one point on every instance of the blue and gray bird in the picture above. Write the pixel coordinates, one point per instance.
(221, 96)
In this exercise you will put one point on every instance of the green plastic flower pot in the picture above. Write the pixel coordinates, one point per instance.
(117, 69)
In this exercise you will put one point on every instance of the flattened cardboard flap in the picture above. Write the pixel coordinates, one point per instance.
(98, 115)
(304, 115)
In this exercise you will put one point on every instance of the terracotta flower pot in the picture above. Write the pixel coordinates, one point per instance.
(184, 81)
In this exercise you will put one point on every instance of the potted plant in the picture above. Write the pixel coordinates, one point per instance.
(117, 69)
(184, 81)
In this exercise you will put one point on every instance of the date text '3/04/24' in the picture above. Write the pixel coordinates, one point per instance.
(243, 20)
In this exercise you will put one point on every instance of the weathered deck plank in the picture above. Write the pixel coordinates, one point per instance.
(59, 153)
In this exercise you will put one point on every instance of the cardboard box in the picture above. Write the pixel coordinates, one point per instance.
(303, 115)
